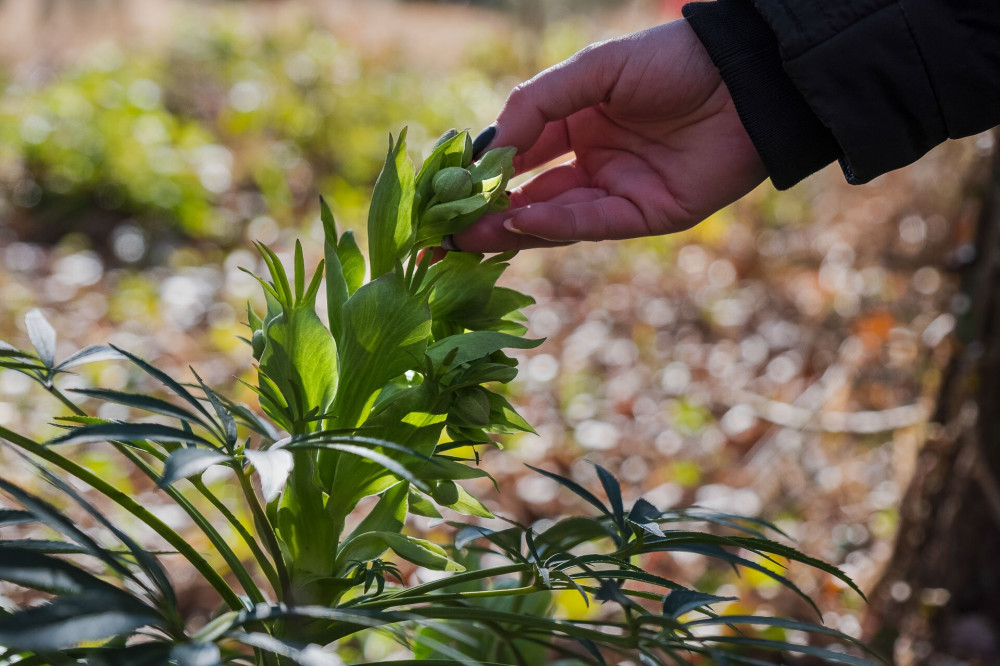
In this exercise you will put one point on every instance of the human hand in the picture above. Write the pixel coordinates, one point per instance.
(657, 145)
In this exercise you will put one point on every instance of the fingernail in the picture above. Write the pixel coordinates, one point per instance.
(482, 141)
(508, 224)
(448, 243)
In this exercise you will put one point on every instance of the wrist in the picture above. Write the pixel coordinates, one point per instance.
(790, 139)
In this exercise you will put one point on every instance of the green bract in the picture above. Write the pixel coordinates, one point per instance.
(389, 396)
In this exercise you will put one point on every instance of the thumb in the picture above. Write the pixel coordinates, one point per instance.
(582, 81)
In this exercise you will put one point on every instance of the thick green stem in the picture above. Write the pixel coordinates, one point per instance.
(266, 530)
(259, 555)
(134, 508)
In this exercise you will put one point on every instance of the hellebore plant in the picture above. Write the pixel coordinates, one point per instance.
(389, 398)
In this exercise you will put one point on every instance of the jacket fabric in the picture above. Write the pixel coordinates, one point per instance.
(872, 83)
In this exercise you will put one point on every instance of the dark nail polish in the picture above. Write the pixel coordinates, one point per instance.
(482, 141)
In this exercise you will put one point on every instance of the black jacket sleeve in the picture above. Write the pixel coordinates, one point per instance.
(873, 83)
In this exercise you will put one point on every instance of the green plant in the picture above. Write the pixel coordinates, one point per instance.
(385, 398)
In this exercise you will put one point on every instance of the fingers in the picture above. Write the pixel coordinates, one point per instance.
(582, 81)
(593, 216)
(549, 184)
(551, 144)
(489, 235)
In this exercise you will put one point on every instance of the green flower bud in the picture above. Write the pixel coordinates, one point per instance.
(452, 184)
(445, 492)
(472, 405)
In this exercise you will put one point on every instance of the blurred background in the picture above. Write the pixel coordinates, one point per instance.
(780, 360)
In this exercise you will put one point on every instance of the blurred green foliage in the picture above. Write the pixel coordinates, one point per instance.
(223, 126)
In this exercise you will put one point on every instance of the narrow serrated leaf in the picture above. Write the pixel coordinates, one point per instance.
(92, 354)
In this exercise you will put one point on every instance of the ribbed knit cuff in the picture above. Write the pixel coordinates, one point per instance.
(790, 139)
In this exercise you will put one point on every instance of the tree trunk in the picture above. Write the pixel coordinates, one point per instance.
(939, 600)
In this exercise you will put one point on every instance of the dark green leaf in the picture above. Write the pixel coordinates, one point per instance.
(678, 602)
(69, 621)
(29, 568)
(144, 402)
(614, 492)
(575, 487)
(15, 517)
(46, 513)
(44, 546)
(476, 345)
(828, 655)
(166, 380)
(108, 432)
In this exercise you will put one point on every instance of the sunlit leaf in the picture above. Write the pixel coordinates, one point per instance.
(184, 463)
(390, 218)
(91, 354)
(42, 336)
(273, 467)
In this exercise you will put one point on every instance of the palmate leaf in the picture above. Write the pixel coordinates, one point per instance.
(52, 517)
(68, 621)
(713, 546)
(773, 548)
(44, 546)
(29, 568)
(144, 654)
(147, 563)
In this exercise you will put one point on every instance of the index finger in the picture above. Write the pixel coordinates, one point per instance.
(582, 81)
